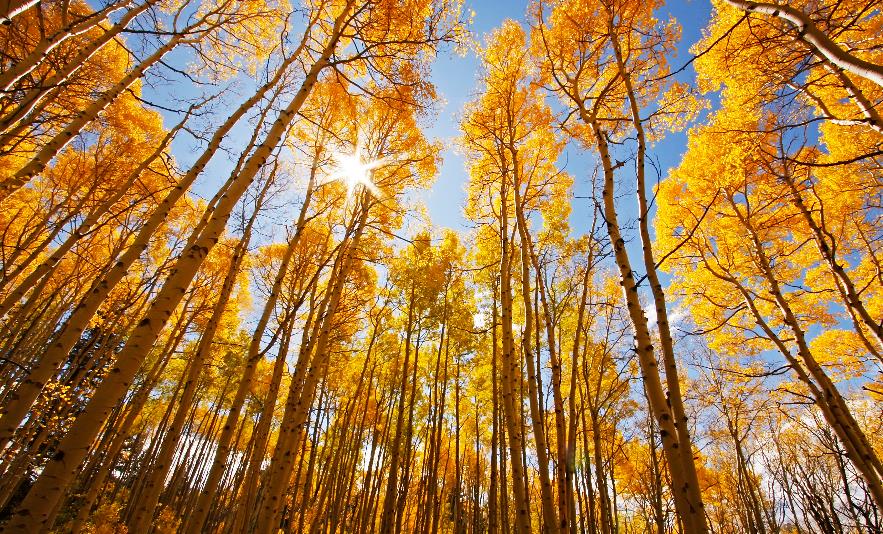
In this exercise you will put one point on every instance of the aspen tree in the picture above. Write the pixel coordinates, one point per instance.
(760, 250)
(11, 8)
(404, 158)
(46, 267)
(389, 515)
(497, 210)
(739, 399)
(765, 59)
(644, 348)
(527, 150)
(204, 24)
(262, 432)
(27, 111)
(550, 522)
(602, 396)
(821, 44)
(74, 28)
(314, 359)
(829, 247)
(584, 321)
(104, 462)
(491, 157)
(590, 107)
(803, 184)
(48, 151)
(824, 392)
(495, 470)
(511, 370)
(672, 378)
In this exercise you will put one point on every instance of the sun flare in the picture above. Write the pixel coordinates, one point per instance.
(354, 172)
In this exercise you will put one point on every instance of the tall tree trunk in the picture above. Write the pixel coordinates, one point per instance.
(691, 513)
(537, 413)
(492, 511)
(692, 491)
(262, 431)
(388, 516)
(511, 376)
(606, 516)
(570, 460)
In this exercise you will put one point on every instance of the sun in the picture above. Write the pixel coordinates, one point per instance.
(354, 172)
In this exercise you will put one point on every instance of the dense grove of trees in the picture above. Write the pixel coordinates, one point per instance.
(258, 330)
